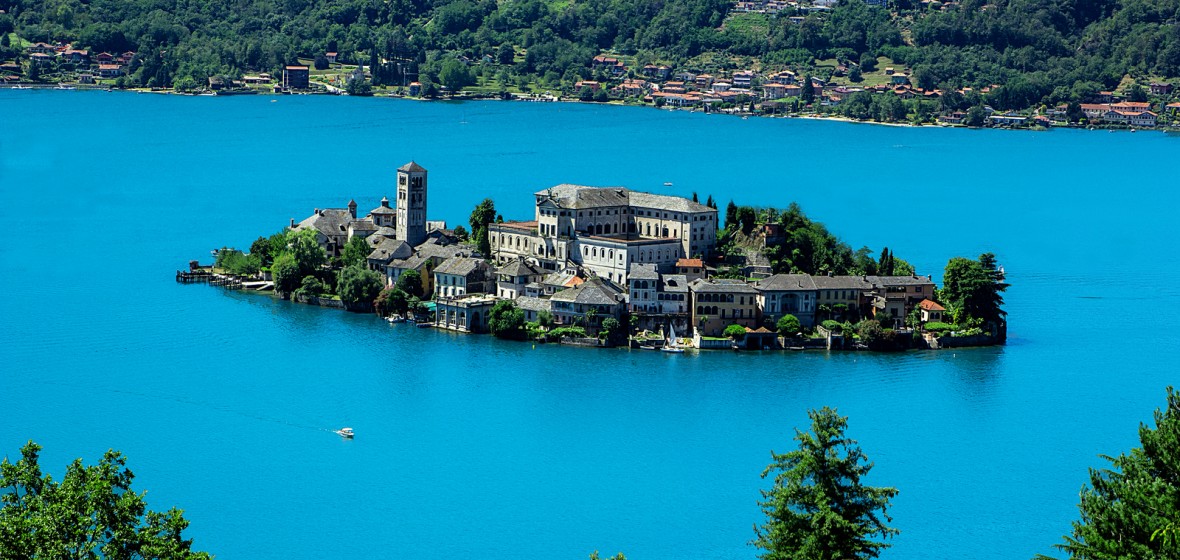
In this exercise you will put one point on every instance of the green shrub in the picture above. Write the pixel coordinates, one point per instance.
(833, 327)
(572, 332)
(938, 326)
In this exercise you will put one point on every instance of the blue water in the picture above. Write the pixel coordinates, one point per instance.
(469, 447)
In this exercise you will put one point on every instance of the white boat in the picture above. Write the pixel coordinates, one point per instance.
(668, 184)
(345, 433)
(672, 345)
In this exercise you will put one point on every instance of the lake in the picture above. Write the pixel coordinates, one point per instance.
(471, 447)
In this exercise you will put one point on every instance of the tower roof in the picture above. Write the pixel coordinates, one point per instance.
(412, 167)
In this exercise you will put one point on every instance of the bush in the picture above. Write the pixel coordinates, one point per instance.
(788, 325)
(938, 326)
(505, 320)
(571, 332)
(833, 327)
(735, 331)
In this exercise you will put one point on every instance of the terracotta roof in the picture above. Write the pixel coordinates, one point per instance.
(690, 263)
(930, 305)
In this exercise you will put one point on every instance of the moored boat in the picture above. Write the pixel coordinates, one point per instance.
(345, 433)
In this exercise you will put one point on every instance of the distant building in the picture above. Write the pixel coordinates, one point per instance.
(788, 294)
(296, 77)
(718, 304)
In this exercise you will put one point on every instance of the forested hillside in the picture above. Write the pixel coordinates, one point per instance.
(1041, 51)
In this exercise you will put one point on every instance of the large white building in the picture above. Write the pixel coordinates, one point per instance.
(605, 230)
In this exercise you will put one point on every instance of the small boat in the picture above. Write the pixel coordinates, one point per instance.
(345, 433)
(671, 345)
(668, 183)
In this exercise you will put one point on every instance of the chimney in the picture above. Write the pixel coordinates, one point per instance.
(292, 222)
(317, 211)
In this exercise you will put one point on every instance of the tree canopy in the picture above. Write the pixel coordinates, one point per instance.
(358, 286)
(505, 320)
(819, 508)
(1131, 510)
(973, 289)
(91, 513)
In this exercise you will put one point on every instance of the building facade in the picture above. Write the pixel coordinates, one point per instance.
(411, 204)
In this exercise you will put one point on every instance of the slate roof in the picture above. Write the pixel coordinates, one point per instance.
(595, 291)
(533, 303)
(461, 266)
(786, 283)
(329, 221)
(665, 202)
(643, 271)
(383, 209)
(364, 224)
(427, 251)
(675, 283)
(722, 286)
(388, 249)
(841, 283)
(561, 279)
(412, 167)
(582, 196)
(386, 231)
(517, 268)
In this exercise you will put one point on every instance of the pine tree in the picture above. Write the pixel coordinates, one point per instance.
(711, 203)
(731, 215)
(1131, 511)
(818, 508)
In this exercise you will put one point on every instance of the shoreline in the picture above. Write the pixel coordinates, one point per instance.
(615, 103)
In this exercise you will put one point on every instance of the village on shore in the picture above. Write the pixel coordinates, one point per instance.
(890, 96)
(597, 259)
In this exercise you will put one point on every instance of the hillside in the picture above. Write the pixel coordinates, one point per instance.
(1041, 51)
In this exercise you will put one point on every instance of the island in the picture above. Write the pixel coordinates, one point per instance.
(611, 266)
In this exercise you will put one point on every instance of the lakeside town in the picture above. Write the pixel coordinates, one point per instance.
(608, 266)
(869, 90)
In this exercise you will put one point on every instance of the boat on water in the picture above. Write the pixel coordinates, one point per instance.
(668, 183)
(345, 433)
(671, 345)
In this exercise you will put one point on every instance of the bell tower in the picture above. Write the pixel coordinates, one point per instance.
(411, 204)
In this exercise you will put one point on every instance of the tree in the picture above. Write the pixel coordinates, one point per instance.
(355, 252)
(1128, 511)
(885, 263)
(455, 75)
(807, 93)
(285, 273)
(975, 116)
(410, 282)
(358, 286)
(747, 218)
(818, 507)
(359, 87)
(711, 203)
(734, 332)
(91, 513)
(975, 288)
(461, 232)
(505, 54)
(788, 325)
(320, 62)
(505, 320)
(483, 214)
(304, 246)
(261, 248)
(310, 286)
(614, 331)
(731, 215)
(482, 243)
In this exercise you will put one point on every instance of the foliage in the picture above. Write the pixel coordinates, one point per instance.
(359, 87)
(833, 327)
(734, 332)
(307, 251)
(356, 252)
(975, 288)
(261, 248)
(236, 262)
(545, 319)
(788, 325)
(819, 507)
(461, 232)
(570, 332)
(939, 327)
(613, 331)
(483, 214)
(310, 286)
(594, 556)
(285, 273)
(482, 243)
(91, 513)
(410, 282)
(1128, 510)
(358, 286)
(505, 320)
